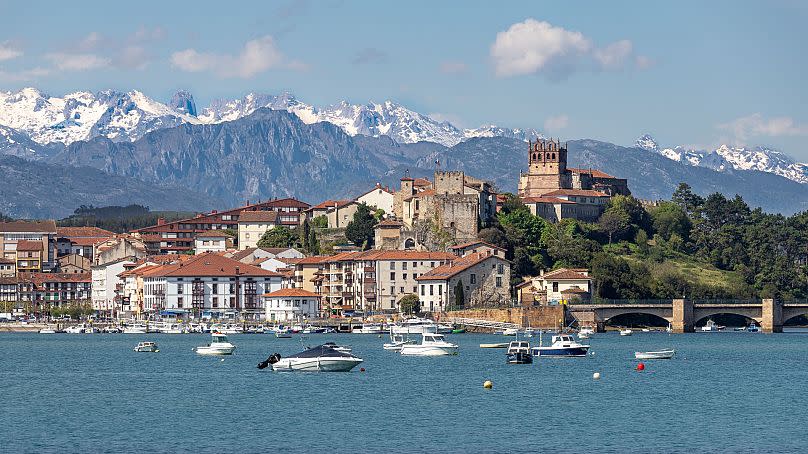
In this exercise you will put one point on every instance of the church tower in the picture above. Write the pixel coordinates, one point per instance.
(547, 168)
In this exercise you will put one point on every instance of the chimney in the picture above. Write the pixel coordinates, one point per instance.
(161, 221)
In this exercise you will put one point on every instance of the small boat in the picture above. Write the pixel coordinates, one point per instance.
(519, 353)
(339, 348)
(111, 329)
(370, 328)
(711, 326)
(146, 347)
(420, 326)
(322, 358)
(219, 345)
(583, 335)
(626, 332)
(135, 329)
(646, 330)
(753, 328)
(458, 330)
(562, 346)
(586, 330)
(496, 345)
(662, 354)
(397, 341)
(432, 344)
(75, 329)
(669, 329)
(510, 332)
(232, 329)
(283, 333)
(47, 331)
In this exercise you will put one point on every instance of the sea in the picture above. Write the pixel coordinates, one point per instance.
(88, 393)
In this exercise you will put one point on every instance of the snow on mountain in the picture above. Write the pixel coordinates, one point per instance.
(83, 115)
(726, 158)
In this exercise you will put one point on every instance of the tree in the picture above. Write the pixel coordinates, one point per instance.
(320, 222)
(314, 243)
(614, 223)
(642, 241)
(670, 218)
(360, 230)
(305, 235)
(512, 203)
(409, 304)
(459, 295)
(687, 199)
(495, 236)
(278, 236)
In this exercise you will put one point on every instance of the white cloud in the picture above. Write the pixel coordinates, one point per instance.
(533, 47)
(643, 62)
(8, 51)
(133, 57)
(258, 55)
(556, 123)
(453, 67)
(24, 75)
(64, 61)
(755, 125)
(90, 42)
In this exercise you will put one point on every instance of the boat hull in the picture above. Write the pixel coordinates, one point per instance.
(322, 364)
(423, 350)
(519, 358)
(551, 352)
(216, 351)
(666, 354)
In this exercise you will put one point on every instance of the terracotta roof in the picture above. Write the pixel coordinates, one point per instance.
(40, 278)
(545, 199)
(214, 234)
(474, 243)
(425, 192)
(48, 226)
(6, 261)
(456, 267)
(593, 172)
(258, 216)
(421, 182)
(242, 254)
(209, 264)
(313, 260)
(407, 178)
(329, 204)
(377, 188)
(84, 241)
(9, 280)
(25, 245)
(577, 192)
(70, 232)
(291, 292)
(565, 274)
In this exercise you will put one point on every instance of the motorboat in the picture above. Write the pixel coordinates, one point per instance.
(47, 331)
(91, 330)
(232, 329)
(561, 346)
(588, 331)
(370, 328)
(397, 341)
(519, 353)
(146, 347)
(219, 345)
(111, 329)
(432, 344)
(322, 358)
(75, 329)
(135, 329)
(753, 328)
(496, 345)
(662, 354)
(310, 329)
(510, 332)
(626, 332)
(711, 326)
(283, 333)
(172, 328)
(339, 348)
(646, 330)
(420, 326)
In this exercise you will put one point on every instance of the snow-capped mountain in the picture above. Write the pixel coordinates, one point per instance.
(726, 158)
(83, 115)
(128, 116)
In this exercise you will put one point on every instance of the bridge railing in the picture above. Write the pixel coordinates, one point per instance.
(727, 302)
(625, 301)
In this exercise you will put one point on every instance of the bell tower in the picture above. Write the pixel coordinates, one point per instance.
(547, 168)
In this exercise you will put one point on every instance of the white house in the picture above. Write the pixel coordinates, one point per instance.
(106, 284)
(559, 285)
(253, 224)
(379, 197)
(291, 304)
(209, 283)
(212, 241)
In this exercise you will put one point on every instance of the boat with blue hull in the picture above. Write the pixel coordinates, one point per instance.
(562, 346)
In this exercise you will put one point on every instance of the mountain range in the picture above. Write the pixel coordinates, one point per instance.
(263, 146)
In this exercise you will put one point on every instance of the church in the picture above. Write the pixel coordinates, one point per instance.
(555, 192)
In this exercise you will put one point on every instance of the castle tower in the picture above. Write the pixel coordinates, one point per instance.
(547, 168)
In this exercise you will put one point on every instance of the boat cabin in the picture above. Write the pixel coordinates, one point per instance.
(432, 337)
(219, 338)
(563, 338)
(519, 347)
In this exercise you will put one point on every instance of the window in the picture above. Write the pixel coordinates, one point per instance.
(432, 264)
(392, 290)
(404, 266)
(500, 268)
(401, 289)
(440, 289)
(180, 289)
(473, 278)
(232, 301)
(499, 281)
(215, 288)
(431, 290)
(404, 276)
(414, 264)
(232, 288)
(423, 289)
(179, 302)
(415, 290)
(555, 286)
(392, 265)
(392, 276)
(414, 275)
(215, 301)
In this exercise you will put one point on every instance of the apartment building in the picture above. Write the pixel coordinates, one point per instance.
(38, 240)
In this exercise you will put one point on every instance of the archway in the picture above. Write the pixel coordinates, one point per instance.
(409, 243)
(726, 319)
(799, 320)
(637, 319)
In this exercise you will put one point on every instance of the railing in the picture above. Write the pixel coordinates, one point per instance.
(480, 323)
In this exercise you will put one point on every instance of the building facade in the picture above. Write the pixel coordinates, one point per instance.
(37, 258)
(483, 276)
(291, 305)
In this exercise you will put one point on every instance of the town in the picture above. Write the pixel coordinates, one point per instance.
(424, 238)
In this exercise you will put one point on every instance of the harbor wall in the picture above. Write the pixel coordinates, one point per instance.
(542, 317)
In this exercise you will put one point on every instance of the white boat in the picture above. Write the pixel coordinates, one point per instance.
(753, 328)
(111, 329)
(432, 344)
(135, 329)
(370, 328)
(322, 358)
(47, 331)
(172, 328)
(420, 326)
(626, 332)
(232, 329)
(397, 341)
(519, 353)
(496, 345)
(711, 326)
(75, 329)
(146, 347)
(510, 332)
(339, 348)
(91, 330)
(283, 333)
(646, 330)
(662, 354)
(219, 345)
(562, 346)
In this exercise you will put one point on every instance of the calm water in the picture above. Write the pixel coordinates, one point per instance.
(90, 393)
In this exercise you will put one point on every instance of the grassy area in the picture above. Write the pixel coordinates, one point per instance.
(691, 269)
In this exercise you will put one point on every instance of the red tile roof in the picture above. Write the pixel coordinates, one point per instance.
(25, 245)
(82, 241)
(577, 192)
(6, 261)
(258, 216)
(459, 265)
(70, 232)
(566, 274)
(474, 243)
(594, 173)
(48, 226)
(40, 278)
(421, 182)
(214, 234)
(291, 293)
(209, 264)
(329, 204)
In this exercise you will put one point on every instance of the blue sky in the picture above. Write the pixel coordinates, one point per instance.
(693, 73)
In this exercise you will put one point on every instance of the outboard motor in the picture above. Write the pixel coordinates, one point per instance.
(273, 358)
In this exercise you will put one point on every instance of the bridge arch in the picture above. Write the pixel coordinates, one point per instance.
(647, 318)
(700, 317)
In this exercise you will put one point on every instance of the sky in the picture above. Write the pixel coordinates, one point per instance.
(689, 73)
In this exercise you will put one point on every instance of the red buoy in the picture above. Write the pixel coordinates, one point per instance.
(641, 366)
(361, 369)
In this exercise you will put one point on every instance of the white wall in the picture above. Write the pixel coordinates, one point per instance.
(289, 309)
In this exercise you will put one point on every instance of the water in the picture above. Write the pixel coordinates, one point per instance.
(90, 393)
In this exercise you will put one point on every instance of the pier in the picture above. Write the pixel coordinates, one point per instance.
(683, 314)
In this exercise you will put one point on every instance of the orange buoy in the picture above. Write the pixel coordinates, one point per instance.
(640, 367)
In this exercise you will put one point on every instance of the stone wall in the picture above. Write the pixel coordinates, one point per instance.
(542, 317)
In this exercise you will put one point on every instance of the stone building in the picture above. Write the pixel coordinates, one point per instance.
(484, 276)
(563, 284)
(554, 191)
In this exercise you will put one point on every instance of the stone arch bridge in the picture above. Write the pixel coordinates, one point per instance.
(682, 314)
